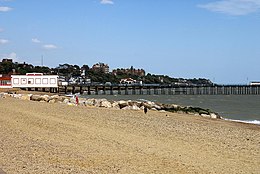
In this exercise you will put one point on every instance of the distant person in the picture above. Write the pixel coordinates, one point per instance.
(145, 109)
(77, 100)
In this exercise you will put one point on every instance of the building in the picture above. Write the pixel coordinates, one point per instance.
(101, 67)
(127, 81)
(129, 71)
(7, 60)
(5, 82)
(34, 80)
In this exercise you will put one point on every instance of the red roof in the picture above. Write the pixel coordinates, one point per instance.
(5, 78)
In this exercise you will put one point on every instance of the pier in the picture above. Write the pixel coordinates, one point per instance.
(155, 89)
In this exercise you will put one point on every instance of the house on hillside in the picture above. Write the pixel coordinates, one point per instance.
(101, 67)
(127, 81)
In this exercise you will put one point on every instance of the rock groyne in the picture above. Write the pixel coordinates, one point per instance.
(121, 104)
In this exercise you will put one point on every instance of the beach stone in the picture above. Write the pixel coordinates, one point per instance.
(53, 100)
(36, 98)
(45, 98)
(122, 104)
(105, 104)
(147, 105)
(66, 101)
(71, 104)
(115, 105)
(134, 107)
(90, 102)
(205, 115)
(215, 116)
(154, 109)
(16, 96)
(82, 101)
(26, 97)
(98, 102)
(72, 100)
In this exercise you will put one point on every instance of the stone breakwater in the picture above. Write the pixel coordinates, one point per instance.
(122, 104)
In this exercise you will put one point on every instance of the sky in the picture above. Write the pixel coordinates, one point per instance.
(214, 39)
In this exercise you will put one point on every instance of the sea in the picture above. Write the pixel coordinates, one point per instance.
(240, 108)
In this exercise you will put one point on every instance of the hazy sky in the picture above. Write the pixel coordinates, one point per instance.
(215, 39)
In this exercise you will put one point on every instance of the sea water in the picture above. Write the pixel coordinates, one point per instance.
(244, 108)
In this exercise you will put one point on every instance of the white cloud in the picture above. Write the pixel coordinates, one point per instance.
(49, 47)
(4, 41)
(35, 40)
(10, 56)
(1, 30)
(5, 9)
(233, 7)
(106, 2)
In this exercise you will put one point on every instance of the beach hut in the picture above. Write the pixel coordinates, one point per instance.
(5, 82)
(34, 80)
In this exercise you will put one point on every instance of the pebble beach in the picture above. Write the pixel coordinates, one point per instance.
(38, 137)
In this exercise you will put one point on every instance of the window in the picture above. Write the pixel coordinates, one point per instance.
(23, 81)
(30, 81)
(38, 81)
(16, 81)
(45, 81)
(53, 81)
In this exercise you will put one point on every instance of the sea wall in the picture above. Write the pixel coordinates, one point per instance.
(122, 104)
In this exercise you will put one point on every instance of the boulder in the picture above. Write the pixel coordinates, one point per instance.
(115, 105)
(36, 98)
(134, 107)
(90, 102)
(45, 98)
(66, 101)
(105, 103)
(53, 100)
(122, 104)
(215, 116)
(26, 97)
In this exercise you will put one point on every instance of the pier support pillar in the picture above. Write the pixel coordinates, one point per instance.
(96, 90)
(89, 93)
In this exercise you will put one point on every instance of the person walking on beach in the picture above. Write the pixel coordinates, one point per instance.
(77, 100)
(145, 109)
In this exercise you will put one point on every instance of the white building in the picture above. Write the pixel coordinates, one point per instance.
(34, 80)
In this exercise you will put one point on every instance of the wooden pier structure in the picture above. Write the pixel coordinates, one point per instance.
(154, 89)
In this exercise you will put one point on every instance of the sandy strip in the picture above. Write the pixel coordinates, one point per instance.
(55, 138)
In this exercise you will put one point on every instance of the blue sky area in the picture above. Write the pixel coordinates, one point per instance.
(214, 39)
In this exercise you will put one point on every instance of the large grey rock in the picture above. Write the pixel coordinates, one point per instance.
(36, 98)
(122, 104)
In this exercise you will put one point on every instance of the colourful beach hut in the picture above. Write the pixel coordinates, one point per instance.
(5, 82)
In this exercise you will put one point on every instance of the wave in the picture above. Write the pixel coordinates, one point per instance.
(143, 100)
(245, 121)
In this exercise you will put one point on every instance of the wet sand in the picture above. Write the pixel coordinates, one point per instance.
(55, 138)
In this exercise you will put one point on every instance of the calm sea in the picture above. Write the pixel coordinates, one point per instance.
(235, 107)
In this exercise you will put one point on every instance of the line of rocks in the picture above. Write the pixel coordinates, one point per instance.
(122, 104)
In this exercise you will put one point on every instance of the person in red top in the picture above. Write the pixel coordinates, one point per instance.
(77, 100)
